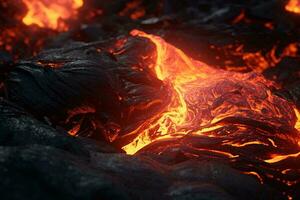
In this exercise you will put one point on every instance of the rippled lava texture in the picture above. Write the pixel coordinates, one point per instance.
(203, 94)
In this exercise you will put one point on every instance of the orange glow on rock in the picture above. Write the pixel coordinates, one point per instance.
(134, 9)
(269, 25)
(258, 61)
(51, 13)
(293, 6)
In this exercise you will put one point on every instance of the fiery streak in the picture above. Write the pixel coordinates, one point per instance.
(246, 144)
(293, 6)
(226, 154)
(286, 171)
(256, 175)
(272, 141)
(278, 158)
(51, 13)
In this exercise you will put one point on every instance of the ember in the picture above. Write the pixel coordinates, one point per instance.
(133, 8)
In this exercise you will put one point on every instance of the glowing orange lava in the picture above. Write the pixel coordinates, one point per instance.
(195, 87)
(297, 125)
(278, 158)
(258, 61)
(178, 71)
(293, 6)
(51, 13)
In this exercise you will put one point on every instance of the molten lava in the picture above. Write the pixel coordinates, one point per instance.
(51, 13)
(293, 6)
(203, 97)
(297, 125)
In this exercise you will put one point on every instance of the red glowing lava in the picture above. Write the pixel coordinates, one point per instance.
(203, 96)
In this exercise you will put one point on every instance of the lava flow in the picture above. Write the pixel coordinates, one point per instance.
(204, 99)
(51, 14)
(293, 6)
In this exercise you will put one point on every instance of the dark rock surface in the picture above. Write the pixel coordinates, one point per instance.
(80, 81)
(39, 162)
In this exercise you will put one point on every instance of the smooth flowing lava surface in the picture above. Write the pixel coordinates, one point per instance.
(51, 13)
(202, 97)
(293, 6)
